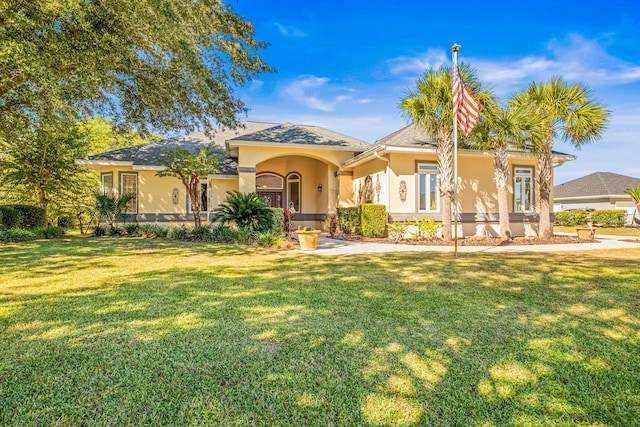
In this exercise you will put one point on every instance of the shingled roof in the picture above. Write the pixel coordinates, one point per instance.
(596, 184)
(151, 153)
(288, 133)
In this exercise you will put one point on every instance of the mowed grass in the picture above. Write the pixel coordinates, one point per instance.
(141, 332)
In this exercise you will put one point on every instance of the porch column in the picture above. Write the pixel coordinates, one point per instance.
(345, 185)
(247, 179)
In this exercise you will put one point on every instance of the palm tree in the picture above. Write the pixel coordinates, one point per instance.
(504, 128)
(635, 193)
(429, 106)
(565, 110)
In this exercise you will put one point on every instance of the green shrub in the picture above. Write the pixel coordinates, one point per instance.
(247, 211)
(10, 217)
(1, 224)
(116, 231)
(67, 221)
(132, 230)
(50, 232)
(17, 235)
(178, 233)
(30, 216)
(571, 218)
(201, 233)
(223, 234)
(99, 231)
(157, 231)
(277, 215)
(268, 239)
(397, 230)
(373, 220)
(609, 218)
(349, 220)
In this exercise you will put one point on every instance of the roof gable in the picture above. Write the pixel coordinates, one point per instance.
(300, 135)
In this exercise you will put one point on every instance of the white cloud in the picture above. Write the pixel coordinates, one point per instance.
(315, 92)
(434, 58)
(575, 59)
(290, 31)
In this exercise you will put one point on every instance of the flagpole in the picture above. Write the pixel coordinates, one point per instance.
(454, 57)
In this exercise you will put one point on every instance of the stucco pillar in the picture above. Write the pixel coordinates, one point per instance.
(345, 185)
(246, 179)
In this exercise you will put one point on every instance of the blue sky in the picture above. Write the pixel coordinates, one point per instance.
(344, 65)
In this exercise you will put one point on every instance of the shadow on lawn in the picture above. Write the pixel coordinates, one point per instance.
(295, 339)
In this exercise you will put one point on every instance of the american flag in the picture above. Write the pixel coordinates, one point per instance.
(466, 107)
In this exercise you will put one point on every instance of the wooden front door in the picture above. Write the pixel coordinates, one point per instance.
(272, 199)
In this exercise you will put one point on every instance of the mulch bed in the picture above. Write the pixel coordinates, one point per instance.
(472, 241)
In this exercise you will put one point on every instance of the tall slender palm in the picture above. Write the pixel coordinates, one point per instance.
(429, 106)
(567, 111)
(635, 194)
(503, 128)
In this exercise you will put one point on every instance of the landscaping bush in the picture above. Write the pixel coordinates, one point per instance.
(178, 233)
(349, 220)
(10, 217)
(99, 231)
(132, 230)
(49, 232)
(571, 218)
(277, 215)
(247, 211)
(30, 216)
(373, 220)
(223, 234)
(397, 230)
(115, 231)
(609, 218)
(201, 233)
(17, 235)
(268, 239)
(154, 231)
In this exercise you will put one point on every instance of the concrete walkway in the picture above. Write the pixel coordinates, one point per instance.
(328, 246)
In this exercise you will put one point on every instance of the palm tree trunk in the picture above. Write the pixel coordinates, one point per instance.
(501, 175)
(445, 157)
(545, 169)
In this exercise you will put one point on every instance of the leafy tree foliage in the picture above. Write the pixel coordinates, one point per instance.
(38, 166)
(430, 106)
(247, 210)
(151, 64)
(189, 168)
(569, 112)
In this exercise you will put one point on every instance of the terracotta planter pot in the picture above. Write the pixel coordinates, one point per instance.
(308, 239)
(586, 233)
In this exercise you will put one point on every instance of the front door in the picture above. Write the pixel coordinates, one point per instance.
(272, 199)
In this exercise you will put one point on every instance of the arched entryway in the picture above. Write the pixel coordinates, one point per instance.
(270, 186)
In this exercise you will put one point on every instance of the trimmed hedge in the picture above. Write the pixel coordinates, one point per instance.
(373, 220)
(571, 218)
(349, 220)
(30, 216)
(609, 218)
(10, 217)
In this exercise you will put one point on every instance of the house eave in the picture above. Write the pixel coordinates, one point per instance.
(237, 143)
(599, 196)
(103, 162)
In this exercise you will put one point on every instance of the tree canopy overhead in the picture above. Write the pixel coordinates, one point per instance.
(151, 64)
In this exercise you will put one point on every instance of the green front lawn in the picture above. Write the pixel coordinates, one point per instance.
(145, 332)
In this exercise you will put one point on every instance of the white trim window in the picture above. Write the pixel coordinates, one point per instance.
(106, 183)
(523, 189)
(428, 177)
(294, 191)
(129, 185)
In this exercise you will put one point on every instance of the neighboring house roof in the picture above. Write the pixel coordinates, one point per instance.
(598, 184)
(148, 155)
